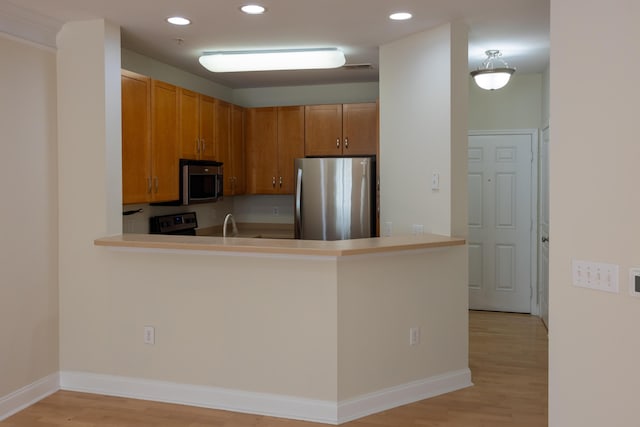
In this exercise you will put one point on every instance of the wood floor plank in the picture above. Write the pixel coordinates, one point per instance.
(507, 357)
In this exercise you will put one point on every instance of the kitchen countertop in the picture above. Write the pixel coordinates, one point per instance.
(279, 245)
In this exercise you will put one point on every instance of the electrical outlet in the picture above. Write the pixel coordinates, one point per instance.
(387, 229)
(414, 336)
(275, 211)
(417, 229)
(149, 335)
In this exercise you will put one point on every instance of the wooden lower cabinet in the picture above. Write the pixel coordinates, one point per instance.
(274, 139)
(149, 135)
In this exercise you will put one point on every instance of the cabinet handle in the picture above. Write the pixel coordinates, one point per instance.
(280, 182)
(155, 180)
(273, 182)
(203, 145)
(148, 185)
(197, 146)
(346, 143)
(338, 143)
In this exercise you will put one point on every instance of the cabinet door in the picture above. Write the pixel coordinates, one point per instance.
(237, 149)
(223, 139)
(164, 137)
(261, 150)
(323, 130)
(207, 135)
(188, 124)
(290, 145)
(136, 138)
(360, 129)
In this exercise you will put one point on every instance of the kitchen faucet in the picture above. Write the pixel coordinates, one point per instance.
(234, 228)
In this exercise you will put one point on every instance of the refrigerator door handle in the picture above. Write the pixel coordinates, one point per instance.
(298, 220)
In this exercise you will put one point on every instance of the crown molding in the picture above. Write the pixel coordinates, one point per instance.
(28, 25)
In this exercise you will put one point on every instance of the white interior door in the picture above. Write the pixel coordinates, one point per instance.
(500, 221)
(543, 227)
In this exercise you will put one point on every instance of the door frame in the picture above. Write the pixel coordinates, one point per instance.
(534, 232)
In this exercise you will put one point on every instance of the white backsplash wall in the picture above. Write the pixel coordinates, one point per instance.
(208, 214)
(264, 209)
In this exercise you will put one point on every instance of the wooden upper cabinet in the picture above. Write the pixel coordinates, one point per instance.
(290, 145)
(164, 137)
(207, 127)
(275, 137)
(237, 148)
(149, 135)
(222, 121)
(188, 124)
(196, 128)
(136, 138)
(360, 129)
(341, 129)
(261, 150)
(323, 130)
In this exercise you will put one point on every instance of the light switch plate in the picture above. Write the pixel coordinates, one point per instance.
(634, 282)
(435, 181)
(595, 275)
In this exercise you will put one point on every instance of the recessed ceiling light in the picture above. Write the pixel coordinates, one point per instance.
(178, 20)
(253, 9)
(400, 16)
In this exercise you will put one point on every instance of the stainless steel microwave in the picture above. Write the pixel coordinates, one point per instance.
(201, 181)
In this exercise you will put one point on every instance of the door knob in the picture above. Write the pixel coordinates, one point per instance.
(545, 240)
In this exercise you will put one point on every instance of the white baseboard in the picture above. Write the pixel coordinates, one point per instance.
(371, 403)
(272, 405)
(28, 395)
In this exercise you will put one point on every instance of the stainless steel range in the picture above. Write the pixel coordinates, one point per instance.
(177, 224)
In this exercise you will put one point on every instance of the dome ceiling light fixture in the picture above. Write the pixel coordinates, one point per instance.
(178, 20)
(490, 76)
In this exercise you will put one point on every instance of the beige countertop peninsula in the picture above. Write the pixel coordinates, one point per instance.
(280, 246)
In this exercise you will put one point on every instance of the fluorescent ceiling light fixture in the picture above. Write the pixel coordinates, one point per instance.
(270, 60)
(490, 77)
(400, 16)
(178, 20)
(253, 9)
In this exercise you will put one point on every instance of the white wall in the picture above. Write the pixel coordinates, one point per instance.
(594, 344)
(28, 184)
(303, 95)
(147, 66)
(89, 177)
(423, 129)
(516, 106)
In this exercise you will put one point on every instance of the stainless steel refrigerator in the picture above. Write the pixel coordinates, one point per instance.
(335, 198)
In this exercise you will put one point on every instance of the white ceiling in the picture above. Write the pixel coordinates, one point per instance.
(519, 28)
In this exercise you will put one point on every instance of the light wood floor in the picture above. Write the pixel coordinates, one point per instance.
(508, 361)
